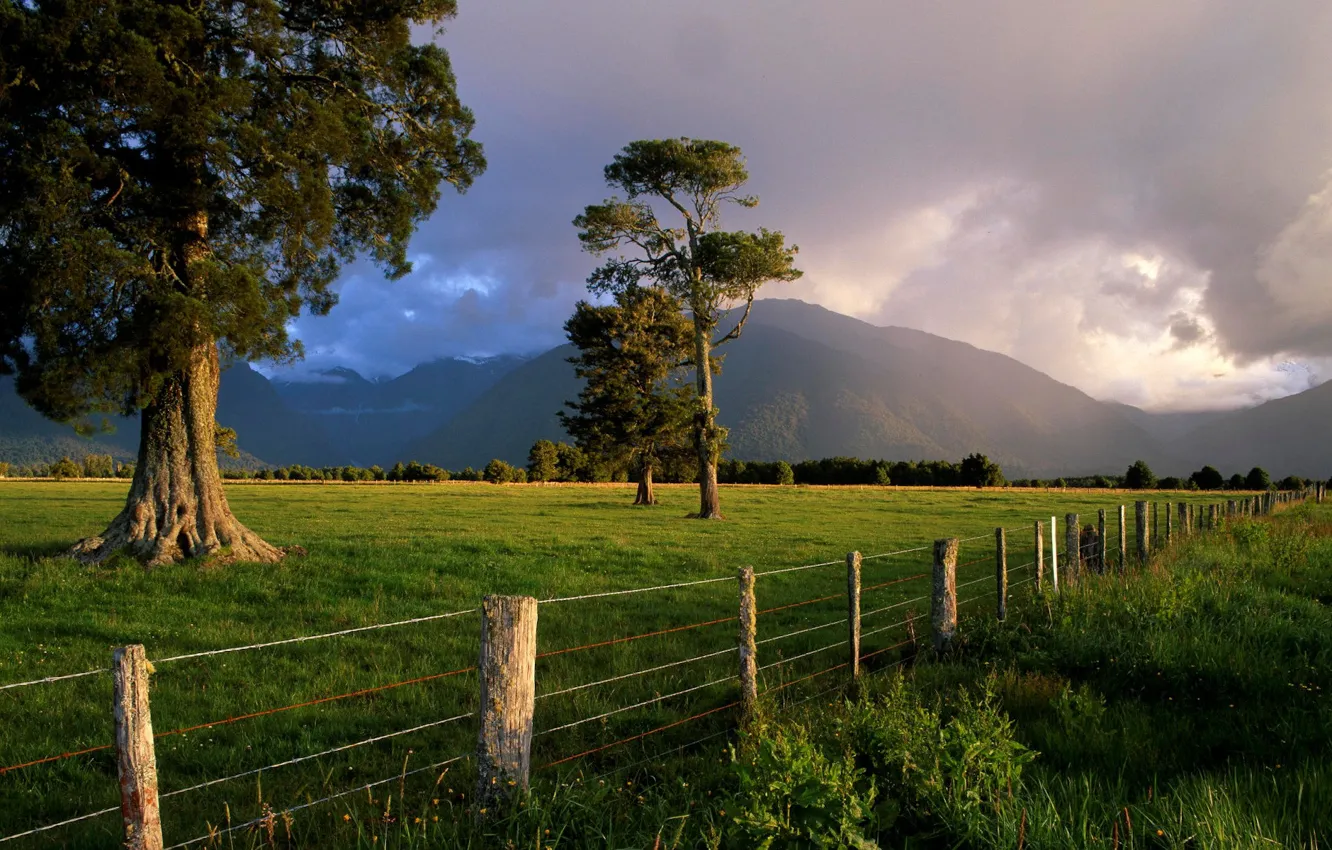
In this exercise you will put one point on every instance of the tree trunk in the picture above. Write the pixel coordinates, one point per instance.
(705, 439)
(645, 495)
(176, 507)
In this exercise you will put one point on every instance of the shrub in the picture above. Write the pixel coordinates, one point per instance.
(99, 466)
(499, 472)
(1140, 476)
(785, 475)
(543, 461)
(65, 468)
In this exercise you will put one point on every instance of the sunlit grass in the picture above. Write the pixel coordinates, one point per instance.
(380, 553)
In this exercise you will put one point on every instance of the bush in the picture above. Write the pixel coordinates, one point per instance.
(1258, 479)
(543, 461)
(99, 466)
(785, 475)
(1208, 478)
(499, 472)
(4, 469)
(65, 468)
(1140, 476)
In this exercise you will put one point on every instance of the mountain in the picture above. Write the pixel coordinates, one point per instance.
(1170, 426)
(1286, 436)
(370, 422)
(804, 382)
(267, 431)
(506, 419)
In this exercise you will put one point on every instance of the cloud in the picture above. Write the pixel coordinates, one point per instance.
(1132, 197)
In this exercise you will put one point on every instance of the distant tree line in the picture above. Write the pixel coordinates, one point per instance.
(550, 461)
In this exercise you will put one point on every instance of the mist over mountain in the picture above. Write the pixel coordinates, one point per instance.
(802, 382)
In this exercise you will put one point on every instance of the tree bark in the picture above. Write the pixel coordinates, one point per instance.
(709, 502)
(176, 507)
(645, 495)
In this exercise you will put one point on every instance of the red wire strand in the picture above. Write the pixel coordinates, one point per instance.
(639, 736)
(635, 637)
(249, 716)
(894, 581)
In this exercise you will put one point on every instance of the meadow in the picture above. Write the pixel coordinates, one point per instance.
(380, 554)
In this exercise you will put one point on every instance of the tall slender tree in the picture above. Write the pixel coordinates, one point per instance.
(634, 407)
(177, 177)
(712, 272)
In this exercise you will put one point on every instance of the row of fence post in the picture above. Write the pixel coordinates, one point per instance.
(508, 651)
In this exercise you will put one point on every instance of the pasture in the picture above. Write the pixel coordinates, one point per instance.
(379, 554)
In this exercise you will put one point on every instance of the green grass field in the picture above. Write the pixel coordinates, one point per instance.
(387, 553)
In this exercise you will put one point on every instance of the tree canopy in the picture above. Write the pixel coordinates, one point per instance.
(1139, 476)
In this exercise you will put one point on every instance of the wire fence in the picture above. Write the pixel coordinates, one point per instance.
(617, 713)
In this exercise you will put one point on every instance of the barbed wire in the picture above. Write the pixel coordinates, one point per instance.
(57, 825)
(782, 661)
(894, 605)
(613, 712)
(307, 638)
(623, 676)
(328, 752)
(839, 620)
(639, 736)
(331, 797)
(47, 680)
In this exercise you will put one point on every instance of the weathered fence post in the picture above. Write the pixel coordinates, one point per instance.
(507, 670)
(1040, 556)
(943, 602)
(1156, 525)
(1144, 535)
(1054, 554)
(1073, 547)
(1183, 520)
(136, 762)
(1123, 540)
(748, 648)
(853, 610)
(1231, 509)
(1212, 520)
(1001, 573)
(1101, 547)
(1169, 529)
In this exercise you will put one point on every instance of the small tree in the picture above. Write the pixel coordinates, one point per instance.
(499, 472)
(1208, 478)
(977, 470)
(1236, 482)
(543, 461)
(633, 408)
(65, 468)
(1140, 476)
(708, 270)
(571, 463)
(99, 466)
(1258, 479)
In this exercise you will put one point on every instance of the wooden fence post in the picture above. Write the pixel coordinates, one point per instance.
(1144, 532)
(1073, 547)
(507, 670)
(1156, 525)
(1101, 546)
(1169, 523)
(1183, 520)
(853, 609)
(1230, 509)
(1123, 540)
(943, 602)
(1040, 556)
(748, 648)
(1213, 519)
(136, 762)
(1054, 554)
(1001, 573)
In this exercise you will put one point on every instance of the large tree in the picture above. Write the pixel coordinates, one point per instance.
(712, 272)
(182, 177)
(634, 407)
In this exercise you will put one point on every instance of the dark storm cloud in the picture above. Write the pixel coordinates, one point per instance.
(981, 170)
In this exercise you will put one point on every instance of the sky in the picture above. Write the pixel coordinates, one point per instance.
(1133, 197)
